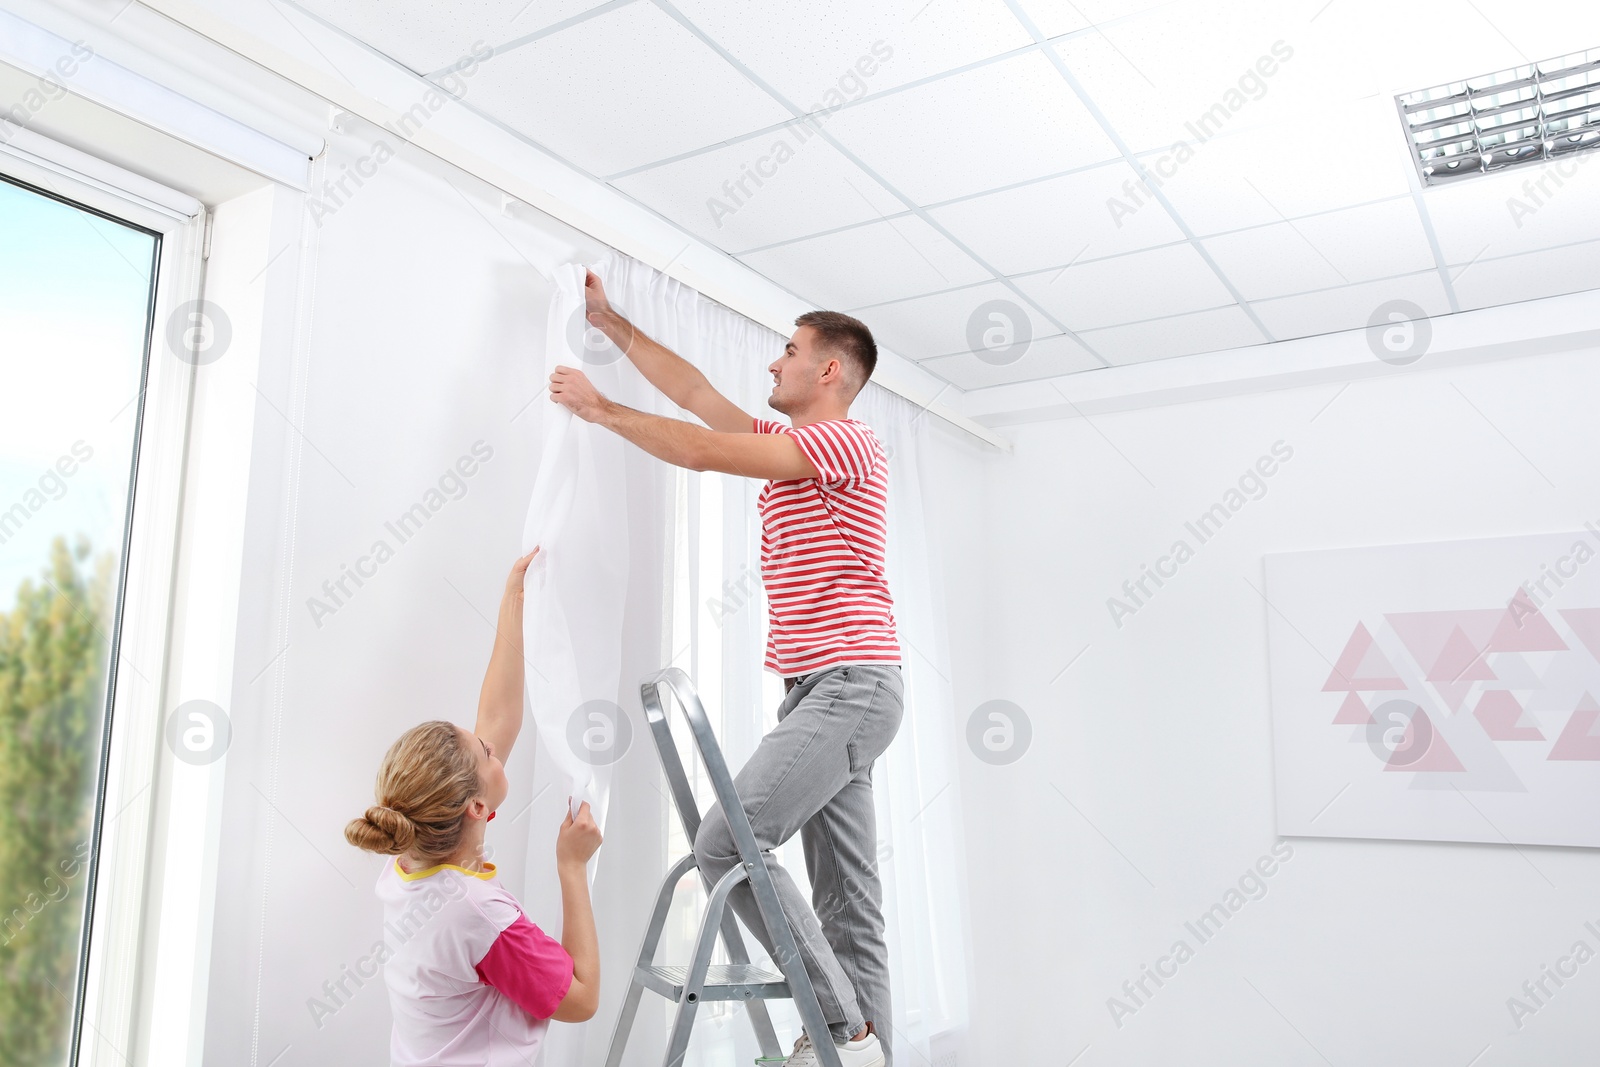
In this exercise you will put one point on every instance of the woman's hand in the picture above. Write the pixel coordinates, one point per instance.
(578, 838)
(519, 572)
(500, 700)
(575, 843)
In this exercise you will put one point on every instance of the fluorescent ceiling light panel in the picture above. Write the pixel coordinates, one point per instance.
(1531, 113)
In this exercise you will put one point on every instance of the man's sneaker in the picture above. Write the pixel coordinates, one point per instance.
(864, 1053)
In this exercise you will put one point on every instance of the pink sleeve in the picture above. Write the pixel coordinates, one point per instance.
(844, 453)
(529, 966)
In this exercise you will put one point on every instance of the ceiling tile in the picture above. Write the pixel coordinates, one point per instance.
(1181, 335)
(1518, 210)
(810, 52)
(999, 124)
(621, 89)
(1528, 276)
(1354, 154)
(1338, 248)
(1390, 48)
(961, 321)
(1299, 187)
(872, 264)
(1140, 285)
(1268, 261)
(1045, 357)
(1190, 70)
(429, 37)
(1578, 25)
(1350, 307)
(1058, 221)
(1371, 241)
(1055, 17)
(811, 190)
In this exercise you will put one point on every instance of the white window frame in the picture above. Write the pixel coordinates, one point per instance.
(152, 880)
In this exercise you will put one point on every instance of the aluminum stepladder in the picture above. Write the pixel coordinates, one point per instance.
(701, 980)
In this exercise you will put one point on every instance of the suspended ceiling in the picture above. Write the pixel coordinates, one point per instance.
(930, 165)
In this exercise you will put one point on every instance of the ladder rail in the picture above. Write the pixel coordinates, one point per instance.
(786, 950)
(694, 979)
(677, 777)
(689, 815)
(647, 954)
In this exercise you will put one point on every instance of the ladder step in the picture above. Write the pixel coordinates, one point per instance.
(724, 981)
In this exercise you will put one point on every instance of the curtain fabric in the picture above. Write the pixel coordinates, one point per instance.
(575, 594)
(713, 624)
(916, 783)
(575, 590)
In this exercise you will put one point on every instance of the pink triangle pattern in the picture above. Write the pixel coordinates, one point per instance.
(1459, 661)
(1353, 712)
(1500, 715)
(1427, 633)
(1362, 665)
(1524, 629)
(1580, 738)
(1585, 622)
(1454, 694)
(1439, 756)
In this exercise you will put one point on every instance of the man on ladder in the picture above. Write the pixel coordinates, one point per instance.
(831, 636)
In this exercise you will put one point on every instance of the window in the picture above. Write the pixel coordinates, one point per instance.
(77, 291)
(717, 633)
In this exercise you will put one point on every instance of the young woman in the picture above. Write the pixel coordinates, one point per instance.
(471, 980)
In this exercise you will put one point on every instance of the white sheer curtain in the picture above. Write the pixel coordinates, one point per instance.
(916, 783)
(712, 623)
(595, 538)
(576, 589)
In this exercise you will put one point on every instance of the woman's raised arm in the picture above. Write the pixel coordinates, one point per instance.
(500, 701)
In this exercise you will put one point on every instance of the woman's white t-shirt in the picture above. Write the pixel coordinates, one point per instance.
(472, 981)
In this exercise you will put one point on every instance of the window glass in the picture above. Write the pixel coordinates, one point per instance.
(75, 303)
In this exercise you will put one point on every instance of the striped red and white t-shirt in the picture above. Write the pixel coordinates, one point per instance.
(822, 552)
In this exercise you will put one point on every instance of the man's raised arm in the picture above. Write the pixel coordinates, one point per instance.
(681, 381)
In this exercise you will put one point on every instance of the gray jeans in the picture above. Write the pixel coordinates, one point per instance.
(813, 773)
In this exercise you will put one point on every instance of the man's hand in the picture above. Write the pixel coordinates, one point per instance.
(594, 296)
(602, 316)
(669, 372)
(572, 390)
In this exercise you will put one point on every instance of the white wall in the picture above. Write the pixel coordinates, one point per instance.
(419, 334)
(1147, 790)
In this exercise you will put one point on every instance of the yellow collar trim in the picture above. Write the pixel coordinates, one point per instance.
(411, 876)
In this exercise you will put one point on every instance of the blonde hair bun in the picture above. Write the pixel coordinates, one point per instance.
(382, 830)
(425, 785)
